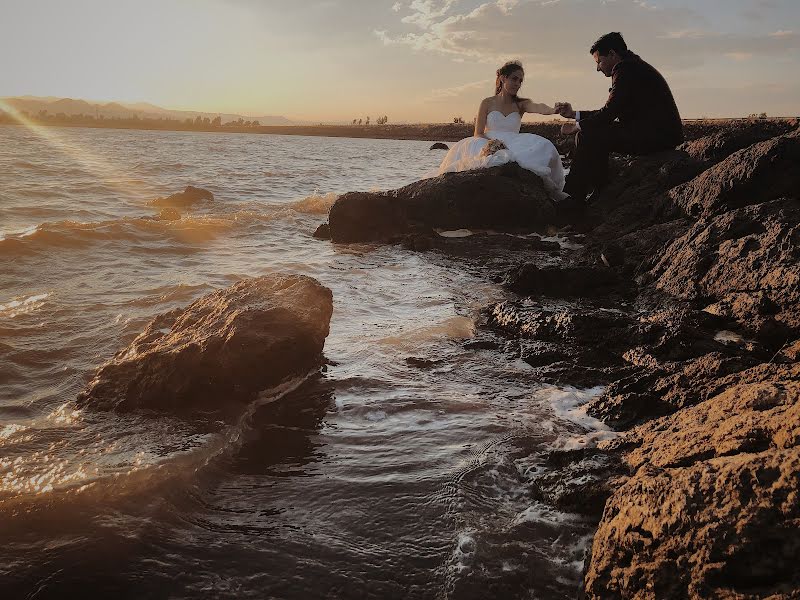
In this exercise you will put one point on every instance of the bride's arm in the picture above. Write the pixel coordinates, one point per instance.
(529, 106)
(480, 120)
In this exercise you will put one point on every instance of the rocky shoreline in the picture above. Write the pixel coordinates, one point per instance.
(683, 299)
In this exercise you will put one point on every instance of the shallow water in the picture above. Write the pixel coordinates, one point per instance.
(380, 477)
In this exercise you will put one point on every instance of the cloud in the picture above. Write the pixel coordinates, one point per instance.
(425, 13)
(558, 33)
(467, 90)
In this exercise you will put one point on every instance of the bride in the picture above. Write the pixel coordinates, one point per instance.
(499, 118)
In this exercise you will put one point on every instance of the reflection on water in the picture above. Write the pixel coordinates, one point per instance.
(400, 471)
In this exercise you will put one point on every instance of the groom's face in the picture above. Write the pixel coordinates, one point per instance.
(606, 63)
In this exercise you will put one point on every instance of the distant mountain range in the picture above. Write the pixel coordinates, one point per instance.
(109, 110)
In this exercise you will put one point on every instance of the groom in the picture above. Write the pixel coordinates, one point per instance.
(640, 117)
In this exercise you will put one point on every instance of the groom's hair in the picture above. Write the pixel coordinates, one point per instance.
(610, 41)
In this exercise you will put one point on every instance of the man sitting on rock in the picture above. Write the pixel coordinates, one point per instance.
(640, 117)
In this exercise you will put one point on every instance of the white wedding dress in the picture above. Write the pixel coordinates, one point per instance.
(532, 152)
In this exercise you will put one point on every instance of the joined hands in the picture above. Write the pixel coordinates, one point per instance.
(565, 110)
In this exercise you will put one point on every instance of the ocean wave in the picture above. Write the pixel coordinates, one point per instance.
(108, 457)
(23, 305)
(185, 230)
(19, 233)
(315, 204)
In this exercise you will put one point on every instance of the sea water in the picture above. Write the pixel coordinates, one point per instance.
(378, 477)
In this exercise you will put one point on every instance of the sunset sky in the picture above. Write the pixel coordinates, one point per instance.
(413, 60)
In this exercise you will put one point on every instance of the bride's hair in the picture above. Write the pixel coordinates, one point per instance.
(507, 69)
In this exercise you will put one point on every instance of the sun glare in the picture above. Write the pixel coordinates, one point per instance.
(92, 163)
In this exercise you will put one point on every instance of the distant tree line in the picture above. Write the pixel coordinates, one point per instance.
(199, 123)
(379, 121)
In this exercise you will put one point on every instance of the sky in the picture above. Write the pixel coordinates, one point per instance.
(411, 60)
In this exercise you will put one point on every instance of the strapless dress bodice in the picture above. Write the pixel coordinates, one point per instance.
(497, 122)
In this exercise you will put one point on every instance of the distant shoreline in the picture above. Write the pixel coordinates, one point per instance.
(430, 132)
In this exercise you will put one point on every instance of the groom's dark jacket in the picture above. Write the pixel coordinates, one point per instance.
(642, 102)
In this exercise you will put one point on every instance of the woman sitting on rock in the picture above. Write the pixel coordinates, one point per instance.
(499, 118)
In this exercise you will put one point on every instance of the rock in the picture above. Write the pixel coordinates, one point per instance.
(419, 242)
(633, 197)
(711, 507)
(439, 146)
(504, 198)
(220, 350)
(577, 481)
(713, 148)
(537, 243)
(421, 363)
(569, 345)
(748, 260)
(756, 174)
(531, 280)
(188, 197)
(323, 232)
(652, 393)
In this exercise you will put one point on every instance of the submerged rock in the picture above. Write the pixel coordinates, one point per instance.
(188, 197)
(219, 350)
(323, 232)
(507, 198)
(439, 146)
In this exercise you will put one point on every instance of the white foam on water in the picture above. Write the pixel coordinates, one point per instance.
(315, 204)
(22, 306)
(456, 328)
(464, 552)
(728, 337)
(545, 515)
(456, 233)
(570, 404)
(565, 243)
(9, 430)
(376, 415)
(18, 234)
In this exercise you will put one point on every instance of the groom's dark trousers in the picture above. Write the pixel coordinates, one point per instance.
(640, 117)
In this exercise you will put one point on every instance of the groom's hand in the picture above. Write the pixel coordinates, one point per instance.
(569, 128)
(565, 110)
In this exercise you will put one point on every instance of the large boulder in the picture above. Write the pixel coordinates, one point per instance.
(219, 350)
(710, 510)
(507, 197)
(758, 173)
(746, 262)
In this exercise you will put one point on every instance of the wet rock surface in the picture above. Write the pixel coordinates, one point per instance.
(185, 199)
(220, 350)
(504, 198)
(682, 300)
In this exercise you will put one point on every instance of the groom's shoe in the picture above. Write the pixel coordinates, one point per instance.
(571, 206)
(594, 196)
